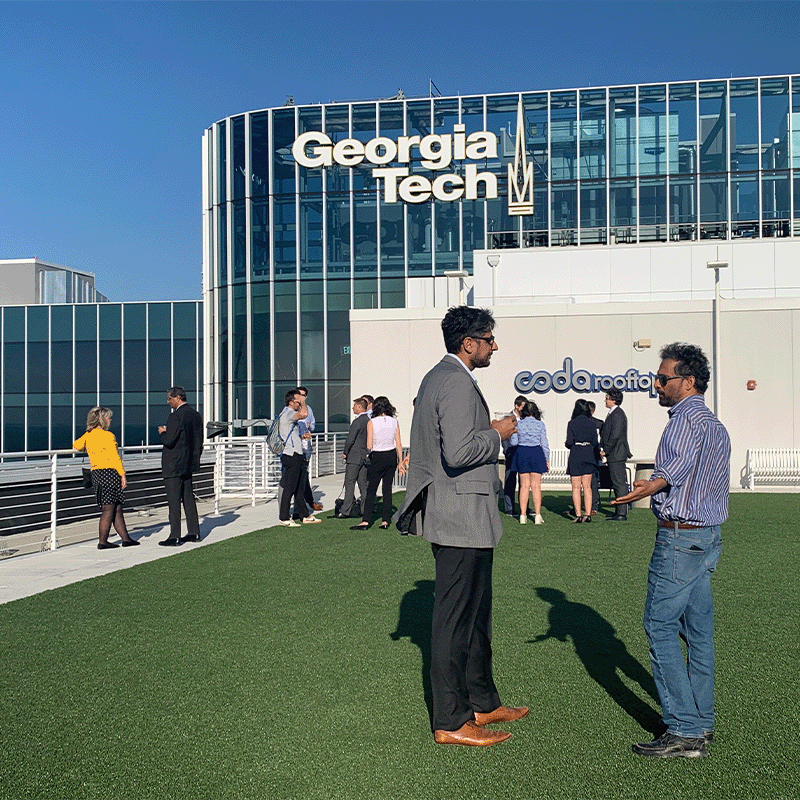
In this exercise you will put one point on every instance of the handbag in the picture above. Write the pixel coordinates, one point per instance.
(86, 473)
(355, 509)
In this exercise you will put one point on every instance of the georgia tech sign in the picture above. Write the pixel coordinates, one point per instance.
(566, 379)
(438, 151)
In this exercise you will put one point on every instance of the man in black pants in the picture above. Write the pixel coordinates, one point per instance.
(614, 443)
(293, 461)
(182, 438)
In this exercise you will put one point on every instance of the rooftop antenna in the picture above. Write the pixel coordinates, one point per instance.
(433, 87)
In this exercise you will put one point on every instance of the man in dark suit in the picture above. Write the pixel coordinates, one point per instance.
(355, 454)
(453, 490)
(182, 438)
(614, 444)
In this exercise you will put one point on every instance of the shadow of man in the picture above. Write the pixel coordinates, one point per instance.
(414, 621)
(602, 654)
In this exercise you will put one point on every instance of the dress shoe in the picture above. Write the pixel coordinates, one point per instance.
(670, 745)
(170, 542)
(131, 543)
(191, 537)
(338, 516)
(106, 546)
(500, 714)
(472, 735)
(359, 527)
(316, 506)
(619, 518)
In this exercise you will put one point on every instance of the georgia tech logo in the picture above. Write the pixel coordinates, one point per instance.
(437, 151)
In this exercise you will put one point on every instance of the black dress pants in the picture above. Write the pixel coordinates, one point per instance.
(291, 482)
(461, 635)
(510, 482)
(382, 466)
(180, 491)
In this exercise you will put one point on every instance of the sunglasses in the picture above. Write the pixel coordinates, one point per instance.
(487, 339)
(665, 379)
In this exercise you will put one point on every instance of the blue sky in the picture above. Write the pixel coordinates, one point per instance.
(104, 104)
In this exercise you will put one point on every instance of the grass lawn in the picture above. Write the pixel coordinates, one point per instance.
(292, 664)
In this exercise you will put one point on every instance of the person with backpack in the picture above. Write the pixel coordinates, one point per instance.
(293, 461)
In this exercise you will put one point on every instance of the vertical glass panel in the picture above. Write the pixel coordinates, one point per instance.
(535, 109)
(283, 137)
(339, 330)
(38, 362)
(239, 241)
(365, 293)
(222, 244)
(159, 349)
(652, 210)
(593, 134)
(419, 239)
(14, 325)
(312, 324)
(652, 130)
(38, 423)
(447, 237)
(713, 207)
(622, 210)
(238, 159)
(134, 431)
(796, 124)
(364, 127)
(503, 229)
(565, 210)
(222, 347)
(392, 255)
(238, 334)
(261, 408)
(285, 366)
(593, 212)
(62, 431)
(393, 293)
(472, 114)
(339, 406)
(110, 334)
(744, 128)
(682, 128)
(259, 153)
(774, 123)
(259, 330)
(260, 243)
(14, 423)
(473, 212)
(85, 350)
(744, 205)
(622, 131)
(774, 198)
(135, 347)
(338, 233)
(713, 130)
(683, 207)
(563, 137)
(38, 323)
(61, 323)
(61, 367)
(285, 236)
(418, 121)
(366, 233)
(311, 236)
(390, 119)
(337, 127)
(222, 162)
(310, 119)
(159, 411)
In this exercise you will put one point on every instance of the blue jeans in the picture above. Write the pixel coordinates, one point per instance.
(679, 605)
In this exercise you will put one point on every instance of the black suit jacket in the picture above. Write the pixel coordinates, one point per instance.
(183, 443)
(614, 436)
(355, 446)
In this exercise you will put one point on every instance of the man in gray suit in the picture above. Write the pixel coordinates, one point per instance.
(614, 445)
(452, 496)
(355, 454)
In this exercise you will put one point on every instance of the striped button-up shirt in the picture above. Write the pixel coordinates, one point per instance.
(694, 458)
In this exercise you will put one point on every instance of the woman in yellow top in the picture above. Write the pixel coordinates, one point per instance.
(108, 475)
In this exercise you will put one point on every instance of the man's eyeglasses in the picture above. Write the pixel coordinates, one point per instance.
(488, 339)
(665, 379)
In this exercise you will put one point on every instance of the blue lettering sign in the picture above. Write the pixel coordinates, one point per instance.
(566, 379)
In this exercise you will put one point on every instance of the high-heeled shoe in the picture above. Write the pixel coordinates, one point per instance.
(578, 519)
(587, 519)
(384, 526)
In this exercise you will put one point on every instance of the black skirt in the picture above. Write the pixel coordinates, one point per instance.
(107, 485)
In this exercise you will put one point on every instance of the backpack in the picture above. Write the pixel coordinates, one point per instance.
(274, 441)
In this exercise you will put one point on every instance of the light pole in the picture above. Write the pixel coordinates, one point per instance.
(493, 260)
(460, 274)
(715, 376)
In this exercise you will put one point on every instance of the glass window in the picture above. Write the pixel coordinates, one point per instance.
(774, 123)
(652, 209)
(259, 330)
(61, 323)
(393, 293)
(340, 405)
(260, 244)
(622, 130)
(337, 127)
(285, 235)
(339, 330)
(222, 245)
(419, 239)
(473, 212)
(447, 236)
(713, 130)
(238, 159)
(222, 162)
(310, 119)
(593, 212)
(683, 205)
(796, 125)
(365, 233)
(364, 129)
(239, 241)
(283, 137)
(365, 293)
(62, 430)
(159, 362)
(38, 323)
(593, 134)
(259, 153)
(652, 130)
(285, 366)
(501, 120)
(563, 137)
(682, 128)
(61, 369)
(744, 204)
(311, 236)
(14, 424)
(135, 347)
(503, 229)
(86, 350)
(134, 431)
(744, 128)
(312, 323)
(392, 227)
(535, 110)
(565, 205)
(622, 210)
(338, 234)
(238, 334)
(774, 196)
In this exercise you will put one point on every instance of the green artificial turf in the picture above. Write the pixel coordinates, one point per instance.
(292, 664)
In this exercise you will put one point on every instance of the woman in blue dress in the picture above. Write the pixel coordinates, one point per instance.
(531, 460)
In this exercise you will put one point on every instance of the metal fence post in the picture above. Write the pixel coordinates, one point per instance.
(53, 500)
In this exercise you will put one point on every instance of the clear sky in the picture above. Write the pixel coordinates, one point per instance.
(104, 103)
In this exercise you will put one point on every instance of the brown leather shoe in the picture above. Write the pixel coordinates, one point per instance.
(472, 735)
(317, 506)
(500, 714)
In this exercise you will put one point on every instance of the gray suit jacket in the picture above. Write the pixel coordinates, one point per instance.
(614, 436)
(355, 445)
(453, 462)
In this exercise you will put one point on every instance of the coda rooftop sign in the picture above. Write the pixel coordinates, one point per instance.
(315, 149)
(567, 379)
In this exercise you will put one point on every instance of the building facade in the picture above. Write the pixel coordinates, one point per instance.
(312, 211)
(29, 280)
(57, 361)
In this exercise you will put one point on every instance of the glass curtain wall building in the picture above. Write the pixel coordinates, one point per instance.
(57, 361)
(310, 211)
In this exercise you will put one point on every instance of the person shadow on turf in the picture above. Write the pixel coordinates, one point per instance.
(603, 654)
(414, 621)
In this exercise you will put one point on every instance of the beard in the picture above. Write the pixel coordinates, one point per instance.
(665, 401)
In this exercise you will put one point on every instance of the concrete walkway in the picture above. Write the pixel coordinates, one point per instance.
(26, 575)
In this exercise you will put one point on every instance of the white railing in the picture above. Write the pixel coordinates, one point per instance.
(772, 467)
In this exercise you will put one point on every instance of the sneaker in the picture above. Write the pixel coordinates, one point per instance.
(523, 519)
(708, 736)
(311, 520)
(288, 523)
(670, 745)
(538, 520)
